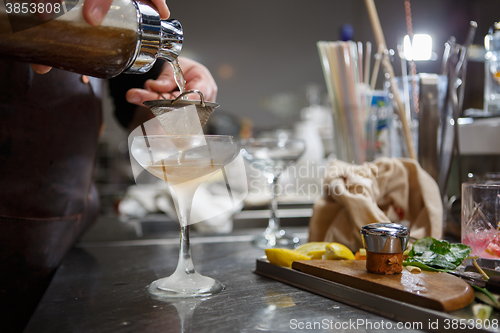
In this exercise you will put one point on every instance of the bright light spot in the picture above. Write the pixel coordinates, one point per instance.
(465, 121)
(420, 49)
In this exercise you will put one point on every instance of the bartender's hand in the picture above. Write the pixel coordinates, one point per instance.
(94, 11)
(197, 77)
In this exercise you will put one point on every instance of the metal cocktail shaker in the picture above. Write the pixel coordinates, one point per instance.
(130, 38)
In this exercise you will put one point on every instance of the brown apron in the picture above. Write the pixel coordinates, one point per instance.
(49, 128)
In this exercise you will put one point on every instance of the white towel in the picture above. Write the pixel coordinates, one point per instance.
(386, 190)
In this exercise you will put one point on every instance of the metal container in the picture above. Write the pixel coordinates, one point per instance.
(385, 237)
(130, 38)
(385, 244)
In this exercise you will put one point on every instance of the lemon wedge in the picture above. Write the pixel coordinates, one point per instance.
(284, 257)
(335, 251)
(307, 248)
(316, 254)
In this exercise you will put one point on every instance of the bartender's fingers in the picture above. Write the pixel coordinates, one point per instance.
(40, 69)
(94, 10)
(197, 77)
(162, 7)
(165, 83)
(139, 96)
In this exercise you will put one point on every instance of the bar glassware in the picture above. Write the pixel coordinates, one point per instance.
(272, 156)
(480, 219)
(184, 162)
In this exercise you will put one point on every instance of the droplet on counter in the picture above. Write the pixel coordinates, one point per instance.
(125, 323)
(120, 283)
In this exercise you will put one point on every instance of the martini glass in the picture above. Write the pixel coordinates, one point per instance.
(272, 156)
(184, 162)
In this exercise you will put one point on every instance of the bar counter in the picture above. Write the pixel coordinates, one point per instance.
(101, 287)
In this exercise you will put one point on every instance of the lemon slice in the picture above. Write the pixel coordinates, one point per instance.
(306, 248)
(338, 251)
(316, 254)
(284, 257)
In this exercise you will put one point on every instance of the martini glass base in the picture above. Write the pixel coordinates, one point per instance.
(277, 238)
(196, 285)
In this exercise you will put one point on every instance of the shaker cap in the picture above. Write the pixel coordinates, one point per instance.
(385, 237)
(157, 39)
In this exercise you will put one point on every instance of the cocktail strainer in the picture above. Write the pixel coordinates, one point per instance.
(204, 109)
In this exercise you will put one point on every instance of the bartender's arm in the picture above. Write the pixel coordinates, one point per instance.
(94, 12)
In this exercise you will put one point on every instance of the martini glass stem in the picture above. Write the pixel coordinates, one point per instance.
(274, 221)
(184, 204)
(185, 263)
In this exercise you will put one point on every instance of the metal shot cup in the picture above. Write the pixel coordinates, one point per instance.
(384, 244)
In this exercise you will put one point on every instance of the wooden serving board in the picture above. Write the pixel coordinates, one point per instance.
(432, 290)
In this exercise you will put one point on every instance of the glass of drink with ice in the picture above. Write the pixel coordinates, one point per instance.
(480, 218)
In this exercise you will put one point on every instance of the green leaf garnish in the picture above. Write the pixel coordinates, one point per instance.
(438, 256)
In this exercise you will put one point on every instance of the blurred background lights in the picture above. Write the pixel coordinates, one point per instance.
(420, 49)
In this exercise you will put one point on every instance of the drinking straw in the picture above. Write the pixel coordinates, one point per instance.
(327, 71)
(379, 36)
(342, 64)
(360, 61)
(376, 66)
(350, 82)
(406, 88)
(356, 74)
(368, 54)
(340, 80)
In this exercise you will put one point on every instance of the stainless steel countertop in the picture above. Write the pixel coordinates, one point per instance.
(101, 287)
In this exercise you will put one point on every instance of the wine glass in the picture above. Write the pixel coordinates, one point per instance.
(184, 162)
(272, 156)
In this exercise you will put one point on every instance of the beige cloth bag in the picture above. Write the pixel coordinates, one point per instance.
(386, 190)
